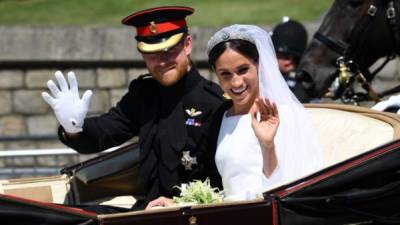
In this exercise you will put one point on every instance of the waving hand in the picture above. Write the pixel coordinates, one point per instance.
(265, 121)
(69, 109)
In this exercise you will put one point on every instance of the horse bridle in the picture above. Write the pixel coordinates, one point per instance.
(348, 51)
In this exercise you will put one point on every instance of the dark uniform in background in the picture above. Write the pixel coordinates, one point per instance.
(169, 120)
(298, 90)
(290, 41)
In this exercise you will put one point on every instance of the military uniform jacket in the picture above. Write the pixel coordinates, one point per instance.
(171, 123)
(297, 89)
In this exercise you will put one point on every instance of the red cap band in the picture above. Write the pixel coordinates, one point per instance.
(159, 28)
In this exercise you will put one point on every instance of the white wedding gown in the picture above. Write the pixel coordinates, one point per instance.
(239, 160)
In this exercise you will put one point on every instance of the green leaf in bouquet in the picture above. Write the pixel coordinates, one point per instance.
(198, 192)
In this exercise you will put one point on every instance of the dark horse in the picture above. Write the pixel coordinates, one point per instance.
(352, 36)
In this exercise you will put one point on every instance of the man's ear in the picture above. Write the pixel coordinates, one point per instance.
(187, 45)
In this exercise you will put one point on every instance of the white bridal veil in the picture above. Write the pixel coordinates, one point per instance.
(297, 145)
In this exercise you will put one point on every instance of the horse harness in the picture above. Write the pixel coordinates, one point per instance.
(347, 68)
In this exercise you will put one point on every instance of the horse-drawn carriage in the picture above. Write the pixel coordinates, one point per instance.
(358, 184)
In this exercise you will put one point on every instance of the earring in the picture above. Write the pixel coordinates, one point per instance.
(226, 96)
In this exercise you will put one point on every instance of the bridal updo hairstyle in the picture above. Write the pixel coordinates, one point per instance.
(243, 47)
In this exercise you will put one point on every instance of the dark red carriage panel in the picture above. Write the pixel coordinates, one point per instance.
(254, 213)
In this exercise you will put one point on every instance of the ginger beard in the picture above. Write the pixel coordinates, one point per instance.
(170, 66)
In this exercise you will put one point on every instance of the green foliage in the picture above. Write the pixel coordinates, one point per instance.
(198, 192)
(110, 12)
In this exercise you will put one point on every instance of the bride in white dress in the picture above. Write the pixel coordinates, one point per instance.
(265, 137)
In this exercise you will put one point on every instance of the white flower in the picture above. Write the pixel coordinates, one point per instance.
(198, 192)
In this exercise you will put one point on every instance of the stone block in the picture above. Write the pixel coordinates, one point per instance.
(200, 38)
(12, 126)
(50, 144)
(18, 162)
(42, 125)
(135, 73)
(58, 161)
(74, 43)
(111, 78)
(67, 160)
(19, 145)
(118, 44)
(86, 78)
(213, 77)
(84, 157)
(29, 102)
(2, 146)
(3, 163)
(5, 102)
(116, 95)
(47, 161)
(39, 78)
(100, 102)
(205, 73)
(50, 43)
(11, 79)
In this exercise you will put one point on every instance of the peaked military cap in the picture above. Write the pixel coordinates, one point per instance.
(159, 29)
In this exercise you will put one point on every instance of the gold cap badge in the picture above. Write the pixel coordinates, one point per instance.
(153, 27)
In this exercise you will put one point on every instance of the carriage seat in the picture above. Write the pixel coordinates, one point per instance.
(346, 131)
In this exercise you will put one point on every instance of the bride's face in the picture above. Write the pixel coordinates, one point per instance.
(237, 76)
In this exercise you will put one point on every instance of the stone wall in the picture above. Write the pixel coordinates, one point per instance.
(105, 60)
(25, 113)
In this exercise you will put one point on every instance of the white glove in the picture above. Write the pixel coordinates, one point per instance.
(68, 108)
(393, 101)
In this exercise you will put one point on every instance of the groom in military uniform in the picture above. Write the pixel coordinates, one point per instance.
(169, 108)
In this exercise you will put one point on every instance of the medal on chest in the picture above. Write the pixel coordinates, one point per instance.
(192, 120)
(188, 161)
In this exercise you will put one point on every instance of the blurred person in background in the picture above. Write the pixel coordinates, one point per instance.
(290, 40)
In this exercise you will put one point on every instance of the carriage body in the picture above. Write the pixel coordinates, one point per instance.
(357, 185)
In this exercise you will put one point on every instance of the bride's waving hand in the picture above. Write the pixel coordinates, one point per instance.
(265, 122)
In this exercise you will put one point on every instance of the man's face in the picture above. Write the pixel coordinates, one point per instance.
(286, 63)
(170, 66)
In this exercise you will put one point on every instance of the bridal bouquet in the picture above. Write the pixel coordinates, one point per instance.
(198, 192)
